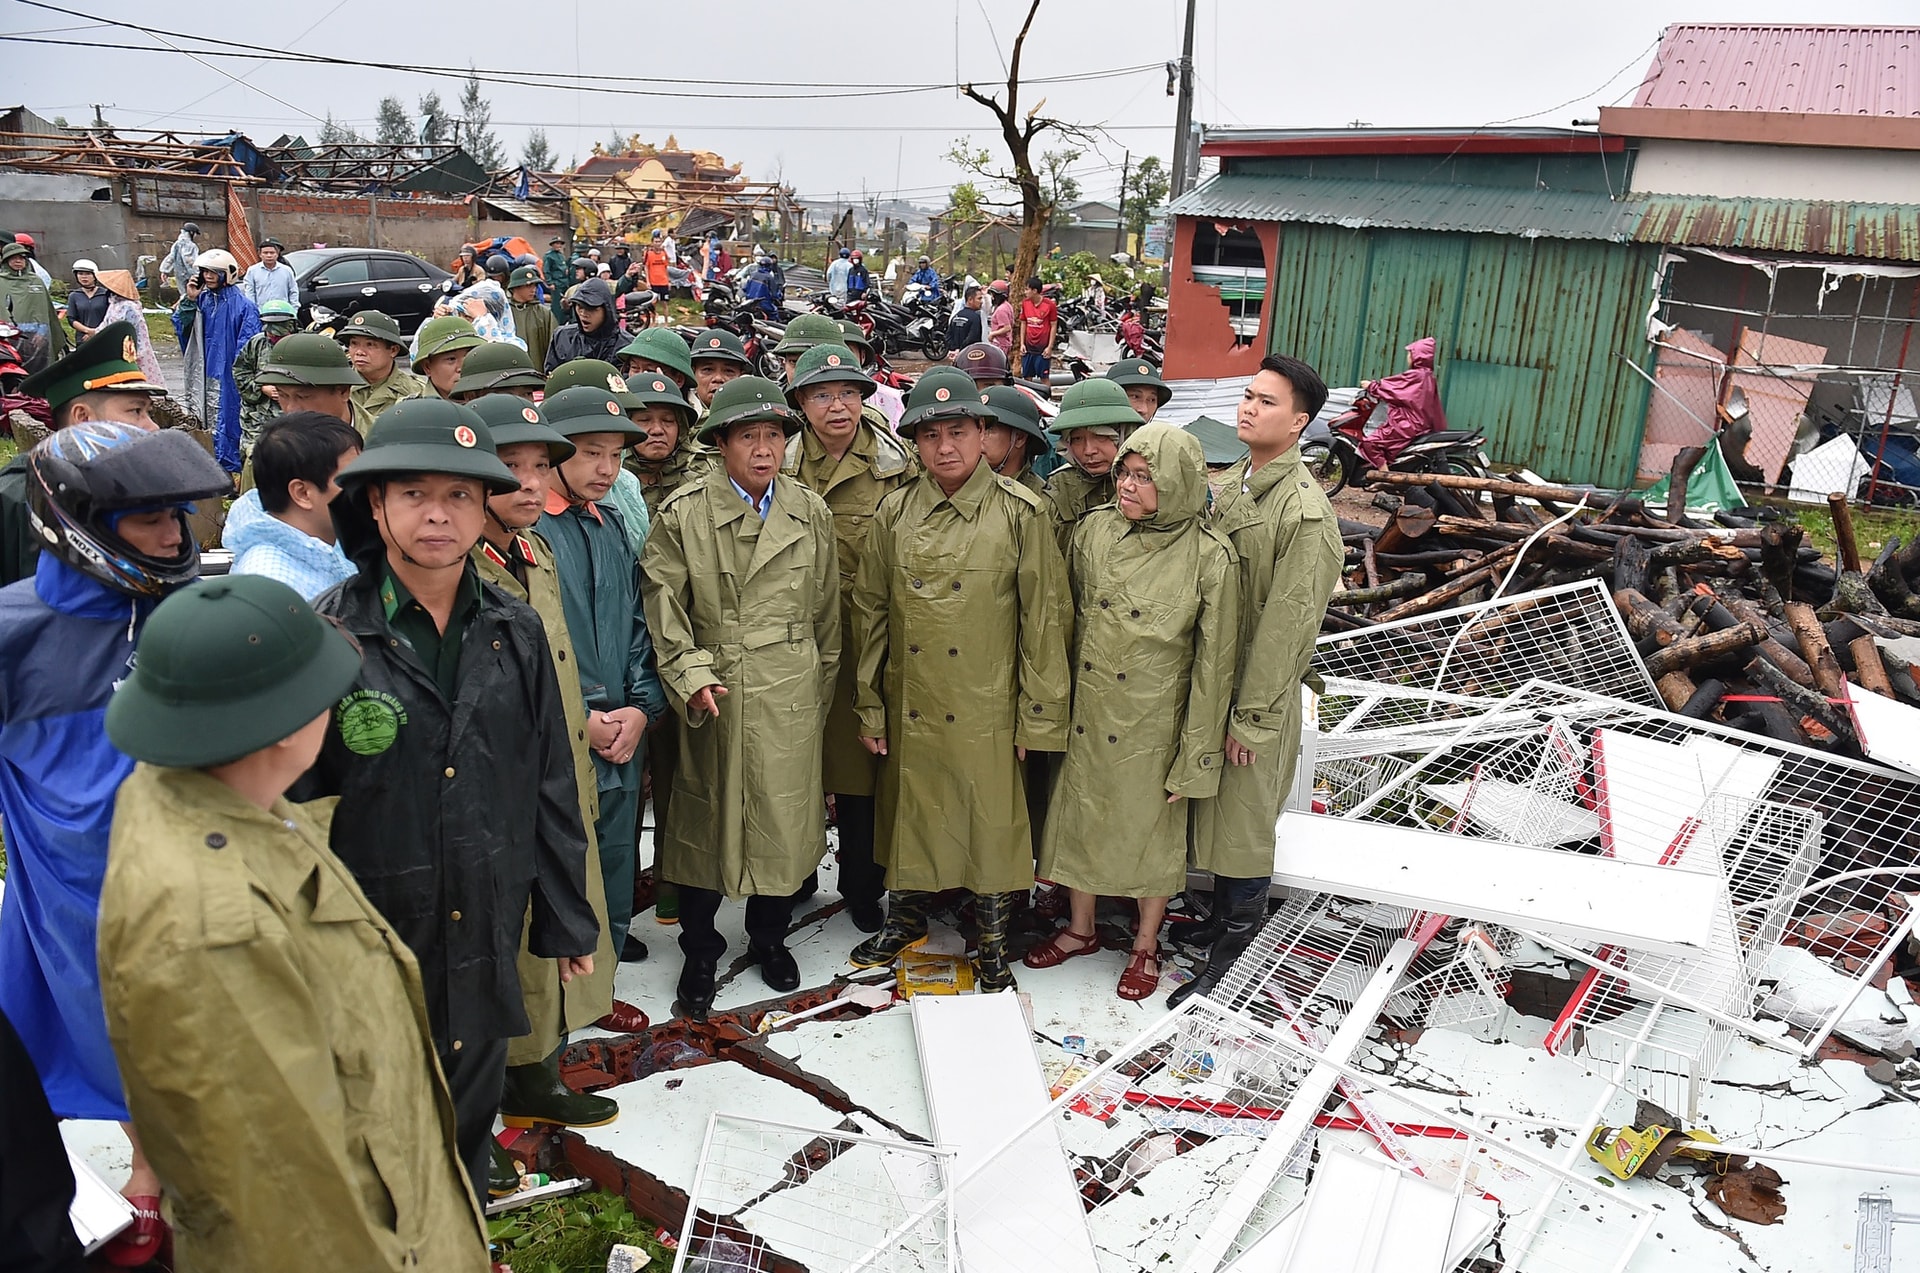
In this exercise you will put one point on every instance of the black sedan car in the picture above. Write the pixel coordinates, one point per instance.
(335, 283)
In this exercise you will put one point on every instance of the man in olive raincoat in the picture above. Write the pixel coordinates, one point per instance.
(1157, 602)
(1288, 542)
(743, 597)
(850, 464)
(270, 1025)
(960, 614)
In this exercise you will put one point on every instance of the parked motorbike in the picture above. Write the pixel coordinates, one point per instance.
(744, 321)
(1330, 447)
(895, 330)
(1136, 341)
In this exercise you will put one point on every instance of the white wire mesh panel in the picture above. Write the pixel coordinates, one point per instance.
(1166, 1131)
(1570, 634)
(1586, 773)
(778, 1195)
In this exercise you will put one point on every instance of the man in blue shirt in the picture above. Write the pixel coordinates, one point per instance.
(270, 278)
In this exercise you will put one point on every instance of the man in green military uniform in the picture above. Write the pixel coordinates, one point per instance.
(718, 356)
(499, 366)
(802, 334)
(375, 346)
(1146, 391)
(440, 348)
(277, 321)
(557, 268)
(1015, 435)
(1288, 542)
(658, 351)
(960, 614)
(1094, 419)
(841, 457)
(450, 755)
(532, 321)
(308, 372)
(743, 598)
(271, 1027)
(98, 381)
(613, 654)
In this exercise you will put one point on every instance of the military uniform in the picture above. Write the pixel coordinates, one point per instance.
(1091, 404)
(256, 408)
(532, 321)
(370, 402)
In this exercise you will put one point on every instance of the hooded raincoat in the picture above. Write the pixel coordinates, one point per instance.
(755, 606)
(1412, 400)
(27, 303)
(960, 607)
(272, 1031)
(211, 335)
(553, 1009)
(1153, 658)
(1288, 542)
(688, 462)
(852, 486)
(569, 342)
(1070, 492)
(262, 544)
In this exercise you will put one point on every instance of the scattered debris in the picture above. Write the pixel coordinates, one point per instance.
(1750, 1193)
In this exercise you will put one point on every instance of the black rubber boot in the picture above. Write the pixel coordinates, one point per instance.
(535, 1094)
(906, 924)
(502, 1179)
(1208, 930)
(991, 971)
(1244, 905)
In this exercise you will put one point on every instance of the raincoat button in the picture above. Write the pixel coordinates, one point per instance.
(1103, 605)
(216, 841)
(1086, 667)
(1256, 718)
(1113, 738)
(949, 718)
(1079, 729)
(1037, 709)
(1123, 676)
(953, 653)
(913, 649)
(1133, 614)
(561, 655)
(913, 715)
(496, 645)
(449, 771)
(916, 583)
(956, 585)
(457, 1045)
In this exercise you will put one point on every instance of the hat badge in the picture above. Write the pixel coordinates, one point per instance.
(613, 408)
(833, 360)
(615, 383)
(127, 351)
(713, 342)
(530, 415)
(659, 386)
(465, 436)
(975, 355)
(942, 394)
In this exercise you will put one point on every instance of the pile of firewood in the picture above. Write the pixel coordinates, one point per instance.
(1739, 621)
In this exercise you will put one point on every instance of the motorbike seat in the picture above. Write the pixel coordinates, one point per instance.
(1446, 435)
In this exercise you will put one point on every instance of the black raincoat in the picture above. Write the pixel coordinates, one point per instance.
(569, 342)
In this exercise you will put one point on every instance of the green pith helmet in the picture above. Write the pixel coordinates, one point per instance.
(443, 335)
(371, 322)
(748, 400)
(586, 409)
(718, 342)
(663, 346)
(309, 359)
(224, 668)
(1094, 403)
(523, 275)
(429, 435)
(1219, 442)
(828, 364)
(1129, 372)
(1013, 408)
(514, 420)
(854, 336)
(806, 331)
(498, 364)
(278, 312)
(655, 390)
(594, 373)
(944, 394)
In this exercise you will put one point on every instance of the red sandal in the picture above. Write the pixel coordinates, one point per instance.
(1051, 953)
(1136, 982)
(141, 1242)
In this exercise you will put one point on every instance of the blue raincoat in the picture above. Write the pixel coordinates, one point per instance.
(227, 320)
(66, 641)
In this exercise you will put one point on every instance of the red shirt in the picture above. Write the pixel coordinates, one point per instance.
(1036, 322)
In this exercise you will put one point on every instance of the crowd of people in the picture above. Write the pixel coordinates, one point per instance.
(313, 867)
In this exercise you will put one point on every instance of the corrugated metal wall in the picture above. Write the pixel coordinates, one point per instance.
(1529, 330)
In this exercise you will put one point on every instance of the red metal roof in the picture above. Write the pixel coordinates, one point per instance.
(1807, 70)
(1248, 142)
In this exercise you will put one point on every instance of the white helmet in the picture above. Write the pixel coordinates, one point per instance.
(221, 260)
(84, 264)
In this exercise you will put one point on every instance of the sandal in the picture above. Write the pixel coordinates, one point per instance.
(1137, 982)
(1051, 953)
(141, 1242)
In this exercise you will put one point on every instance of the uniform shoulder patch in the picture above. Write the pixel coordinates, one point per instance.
(1022, 494)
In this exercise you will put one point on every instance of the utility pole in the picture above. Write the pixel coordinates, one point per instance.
(1183, 116)
(1120, 231)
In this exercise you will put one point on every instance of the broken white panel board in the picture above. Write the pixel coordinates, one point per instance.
(1014, 1211)
(1834, 465)
(1362, 1215)
(1573, 895)
(98, 1211)
(1889, 731)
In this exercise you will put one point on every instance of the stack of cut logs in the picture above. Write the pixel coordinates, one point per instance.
(1740, 621)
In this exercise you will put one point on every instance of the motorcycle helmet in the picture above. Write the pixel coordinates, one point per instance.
(846, 252)
(84, 265)
(82, 478)
(999, 287)
(856, 254)
(220, 261)
(192, 229)
(499, 264)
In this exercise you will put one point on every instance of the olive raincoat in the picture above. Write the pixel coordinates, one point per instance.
(753, 606)
(960, 609)
(688, 463)
(1153, 662)
(1071, 493)
(1288, 540)
(552, 1010)
(272, 1034)
(852, 487)
(369, 401)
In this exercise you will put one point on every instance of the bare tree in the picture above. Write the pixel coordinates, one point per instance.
(1019, 131)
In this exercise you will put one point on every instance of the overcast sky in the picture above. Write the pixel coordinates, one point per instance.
(1259, 63)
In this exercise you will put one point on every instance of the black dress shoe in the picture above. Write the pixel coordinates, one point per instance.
(696, 988)
(777, 968)
(633, 951)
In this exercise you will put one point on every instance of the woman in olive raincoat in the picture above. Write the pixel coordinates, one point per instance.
(1153, 676)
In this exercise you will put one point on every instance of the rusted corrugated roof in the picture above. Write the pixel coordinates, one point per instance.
(1813, 70)
(1869, 231)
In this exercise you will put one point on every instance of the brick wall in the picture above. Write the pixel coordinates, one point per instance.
(431, 228)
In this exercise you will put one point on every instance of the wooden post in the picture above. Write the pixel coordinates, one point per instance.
(1868, 666)
(1812, 640)
(1843, 531)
